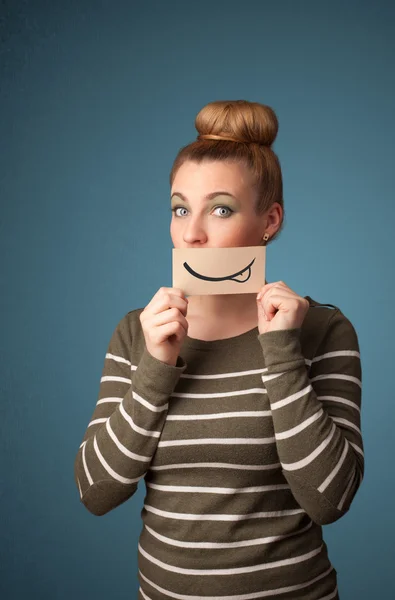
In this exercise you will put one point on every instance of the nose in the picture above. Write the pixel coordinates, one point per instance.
(194, 232)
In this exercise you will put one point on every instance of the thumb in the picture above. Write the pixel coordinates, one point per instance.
(261, 313)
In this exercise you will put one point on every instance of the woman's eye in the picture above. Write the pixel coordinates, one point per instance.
(180, 211)
(223, 211)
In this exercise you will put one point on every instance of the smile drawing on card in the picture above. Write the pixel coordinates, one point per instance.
(200, 271)
(246, 272)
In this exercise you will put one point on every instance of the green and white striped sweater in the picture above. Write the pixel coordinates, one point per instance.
(247, 446)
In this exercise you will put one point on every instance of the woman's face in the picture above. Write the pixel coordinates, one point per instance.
(213, 206)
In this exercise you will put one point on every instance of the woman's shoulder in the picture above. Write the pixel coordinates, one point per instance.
(326, 320)
(132, 321)
(314, 304)
(319, 314)
(128, 328)
(134, 315)
(324, 312)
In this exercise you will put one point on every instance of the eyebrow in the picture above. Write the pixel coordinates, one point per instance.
(208, 197)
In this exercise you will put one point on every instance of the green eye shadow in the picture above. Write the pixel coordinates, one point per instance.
(224, 201)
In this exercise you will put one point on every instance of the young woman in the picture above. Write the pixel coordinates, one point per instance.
(241, 412)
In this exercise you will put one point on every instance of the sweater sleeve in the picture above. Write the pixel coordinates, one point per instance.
(123, 433)
(316, 416)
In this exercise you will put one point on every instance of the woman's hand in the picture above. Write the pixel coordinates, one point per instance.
(164, 324)
(280, 308)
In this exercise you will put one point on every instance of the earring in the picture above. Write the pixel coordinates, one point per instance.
(265, 238)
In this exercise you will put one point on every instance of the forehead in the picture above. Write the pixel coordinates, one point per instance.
(205, 177)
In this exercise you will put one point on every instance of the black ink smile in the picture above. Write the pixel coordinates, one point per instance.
(246, 270)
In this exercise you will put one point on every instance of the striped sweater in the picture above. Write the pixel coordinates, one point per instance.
(247, 446)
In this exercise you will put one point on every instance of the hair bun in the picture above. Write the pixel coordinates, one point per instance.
(238, 120)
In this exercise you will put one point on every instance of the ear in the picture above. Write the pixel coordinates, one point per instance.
(273, 219)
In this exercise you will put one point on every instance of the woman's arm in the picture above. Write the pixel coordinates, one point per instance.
(126, 424)
(316, 416)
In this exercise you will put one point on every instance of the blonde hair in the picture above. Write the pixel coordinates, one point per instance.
(241, 131)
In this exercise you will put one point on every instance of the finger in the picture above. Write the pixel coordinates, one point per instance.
(171, 302)
(285, 292)
(169, 316)
(165, 292)
(163, 332)
(261, 311)
(278, 289)
(268, 286)
(274, 302)
(166, 301)
(279, 285)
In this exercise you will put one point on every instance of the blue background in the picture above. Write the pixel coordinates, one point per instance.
(96, 98)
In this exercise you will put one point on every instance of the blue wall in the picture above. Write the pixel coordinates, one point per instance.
(96, 97)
